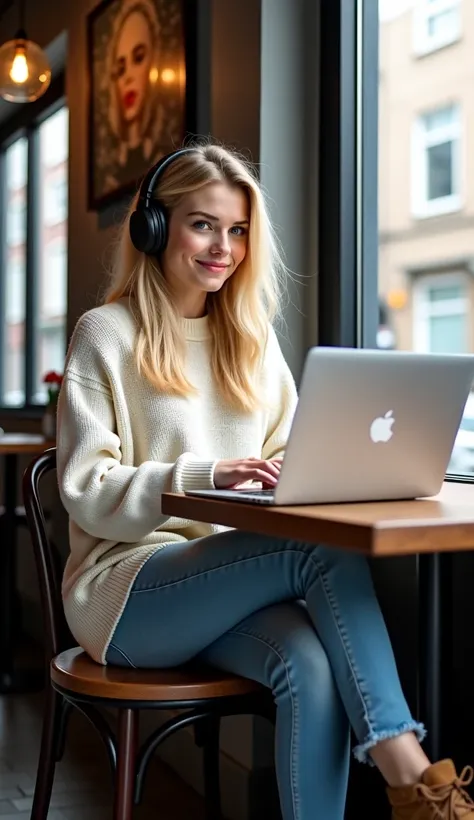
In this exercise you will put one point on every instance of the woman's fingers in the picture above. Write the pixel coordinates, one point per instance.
(229, 473)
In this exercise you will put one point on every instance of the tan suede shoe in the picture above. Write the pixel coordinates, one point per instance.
(439, 796)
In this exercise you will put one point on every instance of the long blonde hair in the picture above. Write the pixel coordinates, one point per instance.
(239, 313)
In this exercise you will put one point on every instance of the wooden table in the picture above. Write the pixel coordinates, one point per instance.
(432, 529)
(13, 445)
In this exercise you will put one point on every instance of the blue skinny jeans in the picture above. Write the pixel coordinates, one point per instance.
(302, 620)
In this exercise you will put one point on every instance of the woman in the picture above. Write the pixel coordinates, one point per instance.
(178, 381)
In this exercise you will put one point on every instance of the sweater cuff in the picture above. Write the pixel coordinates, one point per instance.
(191, 473)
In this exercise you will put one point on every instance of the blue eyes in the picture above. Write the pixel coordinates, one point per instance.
(236, 230)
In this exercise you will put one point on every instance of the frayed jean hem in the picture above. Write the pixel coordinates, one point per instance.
(361, 751)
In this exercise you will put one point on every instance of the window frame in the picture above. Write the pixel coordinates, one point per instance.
(26, 123)
(423, 44)
(348, 299)
(422, 139)
(422, 311)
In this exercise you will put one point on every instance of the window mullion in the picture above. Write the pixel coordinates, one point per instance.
(32, 262)
(348, 212)
(368, 182)
(3, 267)
(337, 174)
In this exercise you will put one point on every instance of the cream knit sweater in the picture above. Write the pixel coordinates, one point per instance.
(121, 445)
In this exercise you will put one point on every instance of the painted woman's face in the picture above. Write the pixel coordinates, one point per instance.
(133, 64)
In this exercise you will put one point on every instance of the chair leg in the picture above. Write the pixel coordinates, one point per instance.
(206, 733)
(53, 711)
(64, 715)
(127, 737)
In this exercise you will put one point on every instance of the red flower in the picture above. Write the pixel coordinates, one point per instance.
(53, 378)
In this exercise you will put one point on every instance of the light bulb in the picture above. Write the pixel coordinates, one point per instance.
(19, 70)
(25, 73)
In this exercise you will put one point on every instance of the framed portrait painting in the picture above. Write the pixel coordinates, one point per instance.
(138, 52)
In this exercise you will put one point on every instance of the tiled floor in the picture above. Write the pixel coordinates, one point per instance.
(82, 784)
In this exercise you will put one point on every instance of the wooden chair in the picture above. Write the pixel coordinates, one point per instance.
(201, 693)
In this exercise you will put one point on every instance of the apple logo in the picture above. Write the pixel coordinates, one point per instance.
(381, 428)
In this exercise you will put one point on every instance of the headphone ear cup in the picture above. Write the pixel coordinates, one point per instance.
(142, 231)
(148, 226)
(149, 230)
(161, 228)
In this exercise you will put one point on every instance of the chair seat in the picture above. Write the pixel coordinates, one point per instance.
(76, 672)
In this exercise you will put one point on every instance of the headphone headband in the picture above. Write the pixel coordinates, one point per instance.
(149, 182)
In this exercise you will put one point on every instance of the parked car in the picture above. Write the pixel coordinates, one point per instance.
(462, 459)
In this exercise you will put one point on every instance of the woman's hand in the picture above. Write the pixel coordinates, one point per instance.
(231, 473)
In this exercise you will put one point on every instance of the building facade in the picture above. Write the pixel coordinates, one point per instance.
(426, 172)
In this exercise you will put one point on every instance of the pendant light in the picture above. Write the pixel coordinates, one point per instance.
(25, 73)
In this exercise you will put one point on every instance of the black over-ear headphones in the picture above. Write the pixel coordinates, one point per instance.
(149, 222)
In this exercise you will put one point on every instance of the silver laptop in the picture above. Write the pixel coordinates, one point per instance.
(369, 425)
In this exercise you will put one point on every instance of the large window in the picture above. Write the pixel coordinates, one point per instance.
(396, 171)
(425, 204)
(33, 271)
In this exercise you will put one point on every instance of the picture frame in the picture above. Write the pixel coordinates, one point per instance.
(141, 76)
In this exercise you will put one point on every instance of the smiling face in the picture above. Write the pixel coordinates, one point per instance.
(207, 241)
(133, 62)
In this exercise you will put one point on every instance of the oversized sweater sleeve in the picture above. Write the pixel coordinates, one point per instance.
(282, 399)
(103, 496)
(106, 498)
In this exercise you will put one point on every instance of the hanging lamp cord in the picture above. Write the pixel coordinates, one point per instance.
(21, 33)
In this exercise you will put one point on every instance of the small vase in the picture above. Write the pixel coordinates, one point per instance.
(48, 422)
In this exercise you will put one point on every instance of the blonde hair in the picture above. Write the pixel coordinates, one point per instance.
(239, 313)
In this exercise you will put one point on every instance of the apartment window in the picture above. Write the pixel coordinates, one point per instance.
(33, 242)
(437, 23)
(441, 314)
(436, 162)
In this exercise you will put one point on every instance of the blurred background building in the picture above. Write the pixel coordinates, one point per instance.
(426, 206)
